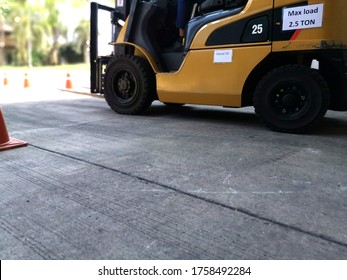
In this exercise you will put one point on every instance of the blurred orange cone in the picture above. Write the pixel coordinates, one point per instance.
(6, 142)
(5, 80)
(26, 81)
(68, 81)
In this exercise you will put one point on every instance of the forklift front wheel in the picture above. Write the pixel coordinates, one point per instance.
(129, 85)
(291, 98)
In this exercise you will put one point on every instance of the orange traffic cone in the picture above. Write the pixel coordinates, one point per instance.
(26, 81)
(5, 80)
(6, 142)
(68, 81)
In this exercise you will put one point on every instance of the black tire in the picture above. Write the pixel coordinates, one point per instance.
(291, 98)
(129, 85)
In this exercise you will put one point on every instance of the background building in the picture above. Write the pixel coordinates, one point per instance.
(7, 44)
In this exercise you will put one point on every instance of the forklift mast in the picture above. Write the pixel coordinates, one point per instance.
(143, 18)
(117, 13)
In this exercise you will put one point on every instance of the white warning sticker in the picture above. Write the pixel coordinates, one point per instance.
(223, 56)
(303, 17)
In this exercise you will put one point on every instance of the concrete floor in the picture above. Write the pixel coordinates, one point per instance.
(194, 183)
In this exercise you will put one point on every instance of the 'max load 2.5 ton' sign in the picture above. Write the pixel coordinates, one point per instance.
(302, 17)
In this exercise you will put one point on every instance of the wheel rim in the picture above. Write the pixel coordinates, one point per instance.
(290, 101)
(125, 86)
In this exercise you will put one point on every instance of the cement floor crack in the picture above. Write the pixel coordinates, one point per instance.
(207, 200)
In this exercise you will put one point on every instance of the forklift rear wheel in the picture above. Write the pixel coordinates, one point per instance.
(129, 85)
(291, 98)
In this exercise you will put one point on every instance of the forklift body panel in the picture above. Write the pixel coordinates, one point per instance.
(236, 53)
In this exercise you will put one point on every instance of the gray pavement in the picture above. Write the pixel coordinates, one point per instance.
(194, 183)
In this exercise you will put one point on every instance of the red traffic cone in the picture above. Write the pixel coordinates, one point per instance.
(68, 81)
(26, 81)
(6, 142)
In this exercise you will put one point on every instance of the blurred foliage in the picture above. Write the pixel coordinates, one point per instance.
(81, 39)
(40, 33)
(3, 7)
(69, 54)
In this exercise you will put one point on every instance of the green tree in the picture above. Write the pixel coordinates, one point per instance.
(38, 28)
(3, 10)
(3, 7)
(26, 17)
(81, 39)
(56, 29)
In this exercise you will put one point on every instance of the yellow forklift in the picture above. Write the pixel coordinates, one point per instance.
(287, 58)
